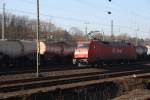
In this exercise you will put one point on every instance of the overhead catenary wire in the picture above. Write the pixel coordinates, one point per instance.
(47, 15)
(115, 8)
(67, 18)
(80, 1)
(119, 9)
(91, 5)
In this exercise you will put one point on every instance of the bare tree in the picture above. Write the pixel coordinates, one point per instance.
(123, 36)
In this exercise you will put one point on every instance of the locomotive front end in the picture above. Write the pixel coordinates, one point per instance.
(81, 53)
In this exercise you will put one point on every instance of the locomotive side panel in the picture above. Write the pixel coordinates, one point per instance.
(109, 51)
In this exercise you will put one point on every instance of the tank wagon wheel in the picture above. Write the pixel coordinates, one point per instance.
(125, 61)
(128, 62)
(1, 59)
(5, 61)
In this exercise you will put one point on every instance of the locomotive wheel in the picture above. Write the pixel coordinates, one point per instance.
(79, 64)
(74, 61)
(96, 65)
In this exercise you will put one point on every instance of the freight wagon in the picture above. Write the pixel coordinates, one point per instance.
(141, 52)
(23, 52)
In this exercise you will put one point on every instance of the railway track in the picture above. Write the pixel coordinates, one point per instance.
(33, 70)
(7, 88)
(58, 68)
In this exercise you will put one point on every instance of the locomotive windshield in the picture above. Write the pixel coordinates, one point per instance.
(83, 45)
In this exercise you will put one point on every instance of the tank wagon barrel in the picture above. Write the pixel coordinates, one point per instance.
(15, 49)
(141, 50)
(59, 51)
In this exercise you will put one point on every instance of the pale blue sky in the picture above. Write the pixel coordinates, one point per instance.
(128, 15)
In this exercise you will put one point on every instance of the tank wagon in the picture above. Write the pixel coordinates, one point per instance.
(99, 52)
(24, 52)
(18, 52)
(59, 52)
(141, 52)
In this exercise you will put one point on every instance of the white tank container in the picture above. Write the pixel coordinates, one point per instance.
(15, 49)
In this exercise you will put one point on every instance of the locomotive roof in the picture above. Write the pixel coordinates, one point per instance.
(113, 42)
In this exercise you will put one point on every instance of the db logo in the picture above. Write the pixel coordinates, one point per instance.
(117, 50)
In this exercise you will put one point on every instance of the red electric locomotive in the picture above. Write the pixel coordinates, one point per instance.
(99, 52)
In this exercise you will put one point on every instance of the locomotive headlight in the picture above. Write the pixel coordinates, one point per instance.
(81, 52)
